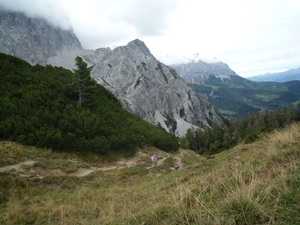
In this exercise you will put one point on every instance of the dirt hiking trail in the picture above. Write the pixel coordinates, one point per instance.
(31, 169)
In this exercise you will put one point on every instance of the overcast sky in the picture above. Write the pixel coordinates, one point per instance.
(252, 36)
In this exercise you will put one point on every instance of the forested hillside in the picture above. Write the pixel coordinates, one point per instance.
(55, 108)
(214, 139)
(237, 96)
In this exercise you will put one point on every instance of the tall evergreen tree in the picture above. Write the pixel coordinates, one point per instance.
(83, 76)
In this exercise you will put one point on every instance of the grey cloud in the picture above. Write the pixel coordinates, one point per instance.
(149, 17)
(103, 38)
(50, 10)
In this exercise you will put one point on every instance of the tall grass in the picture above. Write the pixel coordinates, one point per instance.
(254, 183)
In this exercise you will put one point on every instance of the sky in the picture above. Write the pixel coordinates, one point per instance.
(252, 36)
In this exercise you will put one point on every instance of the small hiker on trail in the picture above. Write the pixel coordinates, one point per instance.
(176, 166)
(154, 159)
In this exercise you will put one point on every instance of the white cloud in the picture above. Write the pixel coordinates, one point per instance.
(111, 23)
(251, 36)
(148, 17)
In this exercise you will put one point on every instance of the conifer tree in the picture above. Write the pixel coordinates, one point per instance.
(83, 75)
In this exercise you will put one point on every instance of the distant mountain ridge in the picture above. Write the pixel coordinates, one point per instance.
(234, 96)
(144, 86)
(200, 72)
(289, 75)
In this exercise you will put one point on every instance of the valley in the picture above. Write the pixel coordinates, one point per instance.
(234, 96)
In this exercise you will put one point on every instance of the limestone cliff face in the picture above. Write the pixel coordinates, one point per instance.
(151, 89)
(33, 39)
(144, 85)
(38, 42)
(200, 72)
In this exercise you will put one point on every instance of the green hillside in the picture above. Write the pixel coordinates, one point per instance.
(236, 97)
(255, 183)
(54, 108)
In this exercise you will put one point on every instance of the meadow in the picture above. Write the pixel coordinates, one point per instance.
(256, 183)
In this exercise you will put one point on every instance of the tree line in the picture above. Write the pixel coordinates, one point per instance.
(53, 107)
(214, 139)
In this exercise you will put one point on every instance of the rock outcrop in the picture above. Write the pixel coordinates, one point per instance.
(144, 85)
(152, 90)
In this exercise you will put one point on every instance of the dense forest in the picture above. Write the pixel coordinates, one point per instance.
(55, 108)
(214, 139)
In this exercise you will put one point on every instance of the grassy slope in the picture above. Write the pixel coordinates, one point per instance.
(254, 183)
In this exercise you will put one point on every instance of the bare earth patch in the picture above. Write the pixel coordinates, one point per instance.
(29, 169)
(17, 167)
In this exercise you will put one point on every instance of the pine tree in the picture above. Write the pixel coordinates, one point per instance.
(83, 75)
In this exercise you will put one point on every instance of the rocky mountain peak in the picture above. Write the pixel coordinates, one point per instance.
(136, 50)
(145, 86)
(199, 71)
(152, 90)
(139, 46)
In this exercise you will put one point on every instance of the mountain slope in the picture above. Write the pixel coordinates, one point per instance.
(33, 39)
(234, 96)
(249, 184)
(40, 106)
(39, 42)
(152, 90)
(145, 86)
(290, 75)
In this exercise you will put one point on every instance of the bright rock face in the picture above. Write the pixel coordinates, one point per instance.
(151, 89)
(145, 86)
(199, 72)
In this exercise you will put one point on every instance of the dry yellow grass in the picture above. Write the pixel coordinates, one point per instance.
(245, 185)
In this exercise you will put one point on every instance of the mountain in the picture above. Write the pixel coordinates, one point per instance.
(200, 72)
(289, 75)
(39, 107)
(234, 96)
(39, 42)
(33, 39)
(144, 86)
(152, 90)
